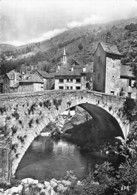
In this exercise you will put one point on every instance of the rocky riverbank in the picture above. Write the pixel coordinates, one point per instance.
(30, 186)
(82, 130)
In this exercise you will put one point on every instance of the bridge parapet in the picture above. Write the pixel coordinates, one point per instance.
(51, 93)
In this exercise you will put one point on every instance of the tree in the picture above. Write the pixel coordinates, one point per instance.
(80, 46)
(89, 77)
(134, 69)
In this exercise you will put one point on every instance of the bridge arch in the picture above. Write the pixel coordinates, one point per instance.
(32, 112)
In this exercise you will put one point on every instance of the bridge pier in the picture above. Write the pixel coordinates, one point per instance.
(5, 160)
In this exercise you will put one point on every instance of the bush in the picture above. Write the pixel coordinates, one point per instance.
(110, 178)
(128, 108)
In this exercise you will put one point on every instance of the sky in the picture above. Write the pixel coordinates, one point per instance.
(27, 21)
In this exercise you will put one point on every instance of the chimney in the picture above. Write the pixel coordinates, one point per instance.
(31, 67)
(84, 69)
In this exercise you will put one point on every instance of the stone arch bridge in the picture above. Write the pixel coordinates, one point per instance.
(24, 115)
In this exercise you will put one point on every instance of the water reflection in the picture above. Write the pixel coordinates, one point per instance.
(42, 145)
(46, 159)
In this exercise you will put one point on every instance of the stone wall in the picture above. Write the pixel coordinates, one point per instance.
(99, 69)
(5, 160)
(24, 115)
(112, 83)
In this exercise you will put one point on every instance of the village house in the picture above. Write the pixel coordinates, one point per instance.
(127, 80)
(48, 79)
(70, 80)
(10, 81)
(110, 76)
(30, 82)
(17, 82)
(106, 69)
(126, 75)
(72, 77)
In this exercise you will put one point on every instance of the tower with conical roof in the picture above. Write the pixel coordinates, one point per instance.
(64, 59)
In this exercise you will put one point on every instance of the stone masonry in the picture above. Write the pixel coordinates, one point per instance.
(24, 115)
(5, 161)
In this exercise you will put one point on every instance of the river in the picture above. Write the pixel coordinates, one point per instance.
(47, 158)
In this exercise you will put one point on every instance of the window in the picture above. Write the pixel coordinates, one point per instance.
(69, 80)
(71, 87)
(130, 82)
(61, 87)
(61, 80)
(112, 92)
(67, 87)
(78, 80)
(77, 88)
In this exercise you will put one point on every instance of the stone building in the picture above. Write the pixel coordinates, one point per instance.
(127, 80)
(106, 69)
(31, 82)
(16, 82)
(48, 79)
(70, 80)
(110, 76)
(72, 76)
(126, 76)
(10, 81)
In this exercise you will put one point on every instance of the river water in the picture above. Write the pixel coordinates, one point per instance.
(47, 158)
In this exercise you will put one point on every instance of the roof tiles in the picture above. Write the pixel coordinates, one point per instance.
(126, 71)
(31, 78)
(111, 49)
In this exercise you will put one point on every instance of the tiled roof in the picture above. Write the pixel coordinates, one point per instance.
(126, 71)
(46, 75)
(67, 72)
(73, 70)
(51, 75)
(31, 78)
(77, 62)
(111, 49)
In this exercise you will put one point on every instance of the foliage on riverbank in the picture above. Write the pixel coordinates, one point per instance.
(116, 178)
(113, 178)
